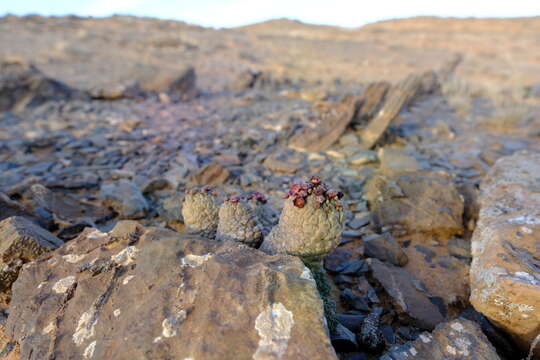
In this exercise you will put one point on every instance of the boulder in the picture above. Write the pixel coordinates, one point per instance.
(416, 202)
(148, 293)
(21, 241)
(505, 270)
(458, 339)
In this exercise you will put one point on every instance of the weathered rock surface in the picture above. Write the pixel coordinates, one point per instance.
(416, 202)
(458, 339)
(169, 295)
(21, 241)
(505, 271)
(406, 297)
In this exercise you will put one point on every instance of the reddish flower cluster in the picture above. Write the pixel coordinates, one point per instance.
(258, 196)
(234, 199)
(300, 192)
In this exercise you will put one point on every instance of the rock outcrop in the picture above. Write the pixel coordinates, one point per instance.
(147, 293)
(505, 270)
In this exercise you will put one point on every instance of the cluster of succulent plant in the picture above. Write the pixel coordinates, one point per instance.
(236, 219)
(309, 226)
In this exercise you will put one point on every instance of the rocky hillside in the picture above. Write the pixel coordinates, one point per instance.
(275, 191)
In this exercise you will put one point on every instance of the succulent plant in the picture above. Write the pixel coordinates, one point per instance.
(267, 217)
(310, 224)
(200, 212)
(237, 222)
(370, 336)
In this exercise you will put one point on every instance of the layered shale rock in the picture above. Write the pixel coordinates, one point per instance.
(147, 293)
(505, 271)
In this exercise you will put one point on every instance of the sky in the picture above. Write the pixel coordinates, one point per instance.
(230, 13)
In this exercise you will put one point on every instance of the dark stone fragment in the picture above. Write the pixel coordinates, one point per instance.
(355, 356)
(388, 333)
(352, 322)
(439, 302)
(343, 279)
(429, 254)
(355, 267)
(407, 333)
(354, 301)
(336, 261)
(343, 340)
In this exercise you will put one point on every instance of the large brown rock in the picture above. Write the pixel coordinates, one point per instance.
(146, 293)
(21, 241)
(416, 202)
(505, 271)
(458, 339)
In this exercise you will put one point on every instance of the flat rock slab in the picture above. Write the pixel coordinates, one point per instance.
(146, 293)
(330, 122)
(505, 271)
(406, 297)
(458, 339)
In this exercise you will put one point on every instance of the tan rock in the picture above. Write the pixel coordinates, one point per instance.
(416, 202)
(147, 293)
(505, 271)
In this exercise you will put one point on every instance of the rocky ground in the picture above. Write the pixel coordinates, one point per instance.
(429, 127)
